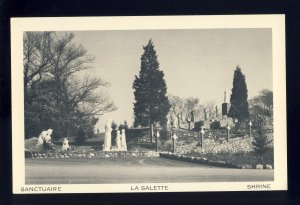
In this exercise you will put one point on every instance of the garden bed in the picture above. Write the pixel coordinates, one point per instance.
(89, 154)
(229, 161)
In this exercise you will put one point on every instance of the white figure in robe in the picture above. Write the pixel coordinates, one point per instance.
(44, 137)
(107, 136)
(123, 141)
(65, 145)
(118, 140)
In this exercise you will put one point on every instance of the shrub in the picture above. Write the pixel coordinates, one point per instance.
(198, 125)
(137, 134)
(215, 125)
(48, 146)
(164, 134)
(261, 142)
(81, 135)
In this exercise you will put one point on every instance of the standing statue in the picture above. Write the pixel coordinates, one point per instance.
(118, 140)
(217, 111)
(107, 136)
(114, 127)
(123, 141)
(65, 145)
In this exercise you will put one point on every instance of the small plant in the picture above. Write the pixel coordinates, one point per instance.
(198, 125)
(47, 146)
(215, 125)
(261, 142)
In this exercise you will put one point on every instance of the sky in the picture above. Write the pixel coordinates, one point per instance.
(196, 63)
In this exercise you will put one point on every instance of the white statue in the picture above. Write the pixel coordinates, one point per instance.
(118, 140)
(44, 137)
(65, 145)
(107, 136)
(123, 141)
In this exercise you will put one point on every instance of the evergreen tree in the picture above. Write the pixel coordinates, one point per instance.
(261, 142)
(239, 108)
(151, 103)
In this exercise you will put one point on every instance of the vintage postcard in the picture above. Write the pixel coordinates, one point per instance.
(148, 104)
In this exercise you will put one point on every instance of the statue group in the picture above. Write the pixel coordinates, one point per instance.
(119, 140)
(45, 142)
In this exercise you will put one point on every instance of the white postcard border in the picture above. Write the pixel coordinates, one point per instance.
(276, 22)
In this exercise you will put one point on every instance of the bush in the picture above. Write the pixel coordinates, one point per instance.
(165, 134)
(136, 134)
(198, 125)
(81, 135)
(261, 142)
(48, 146)
(215, 125)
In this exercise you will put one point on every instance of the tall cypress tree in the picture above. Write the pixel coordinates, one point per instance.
(151, 103)
(239, 108)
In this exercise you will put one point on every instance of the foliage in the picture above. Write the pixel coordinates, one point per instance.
(198, 125)
(261, 106)
(215, 125)
(137, 134)
(239, 108)
(81, 135)
(164, 134)
(40, 109)
(261, 142)
(55, 95)
(151, 103)
(86, 128)
(185, 109)
(48, 146)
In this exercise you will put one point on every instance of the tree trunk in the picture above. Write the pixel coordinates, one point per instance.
(178, 122)
(151, 133)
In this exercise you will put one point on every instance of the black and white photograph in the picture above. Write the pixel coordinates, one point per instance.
(148, 104)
